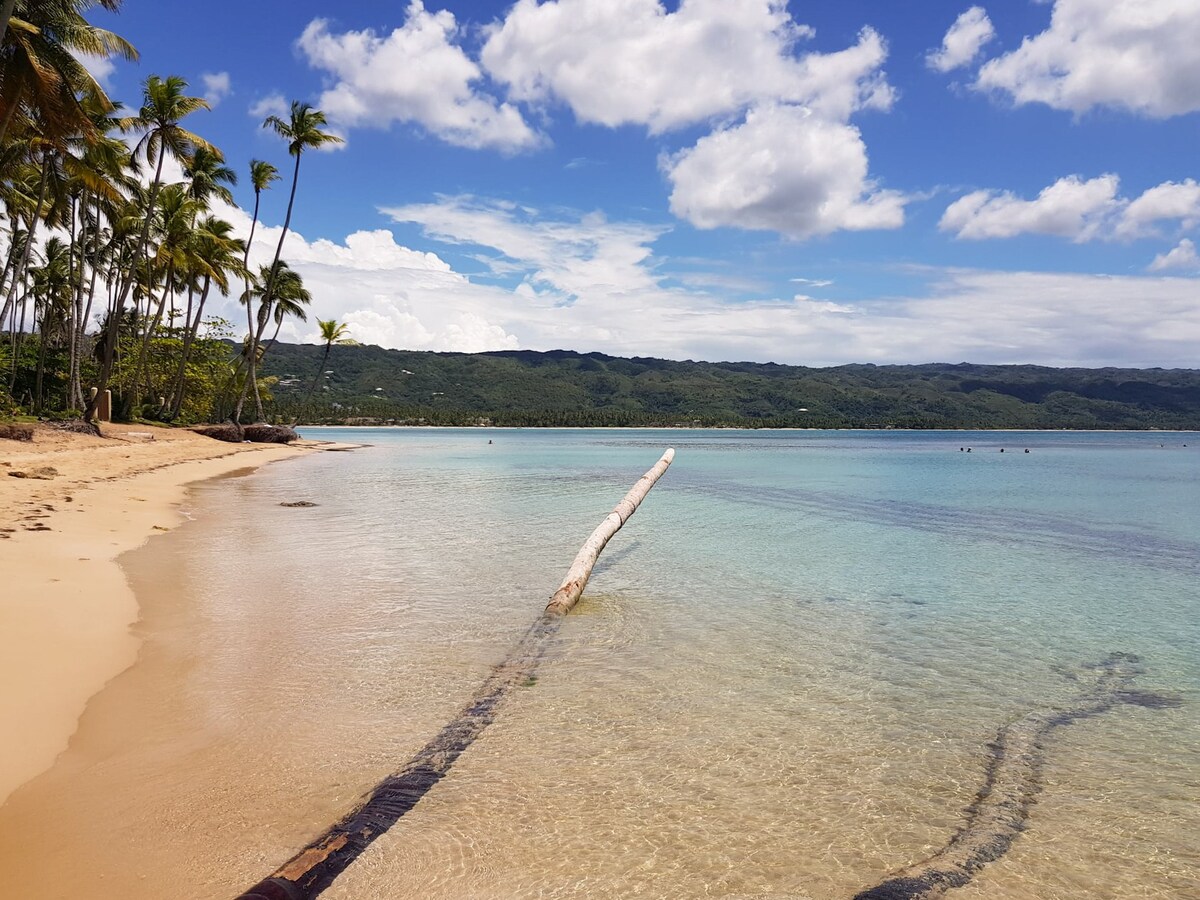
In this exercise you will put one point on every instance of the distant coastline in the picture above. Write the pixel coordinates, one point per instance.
(367, 385)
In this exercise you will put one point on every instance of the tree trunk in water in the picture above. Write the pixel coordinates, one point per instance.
(569, 591)
(313, 869)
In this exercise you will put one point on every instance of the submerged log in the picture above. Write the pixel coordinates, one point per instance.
(997, 816)
(314, 868)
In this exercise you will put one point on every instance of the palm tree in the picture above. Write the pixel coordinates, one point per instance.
(215, 256)
(332, 332)
(38, 67)
(302, 131)
(262, 174)
(164, 106)
(291, 296)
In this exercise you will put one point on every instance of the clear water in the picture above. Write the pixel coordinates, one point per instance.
(781, 682)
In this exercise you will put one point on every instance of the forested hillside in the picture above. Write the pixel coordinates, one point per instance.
(592, 389)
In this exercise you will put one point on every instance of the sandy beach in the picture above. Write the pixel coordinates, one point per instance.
(66, 607)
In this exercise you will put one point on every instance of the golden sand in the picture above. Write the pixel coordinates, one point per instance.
(66, 609)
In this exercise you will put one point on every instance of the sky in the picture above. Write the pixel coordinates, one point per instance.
(810, 183)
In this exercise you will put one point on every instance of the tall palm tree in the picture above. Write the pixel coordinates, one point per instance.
(39, 72)
(262, 175)
(332, 332)
(164, 106)
(303, 132)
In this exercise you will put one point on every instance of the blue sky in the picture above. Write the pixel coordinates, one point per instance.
(802, 182)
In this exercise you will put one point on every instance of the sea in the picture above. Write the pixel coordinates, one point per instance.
(789, 676)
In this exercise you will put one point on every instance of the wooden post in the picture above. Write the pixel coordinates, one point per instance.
(569, 591)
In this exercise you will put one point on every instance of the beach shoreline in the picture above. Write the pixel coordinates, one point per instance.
(67, 610)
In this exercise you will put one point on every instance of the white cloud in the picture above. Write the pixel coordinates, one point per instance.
(1182, 257)
(217, 86)
(617, 62)
(963, 41)
(1168, 201)
(586, 283)
(271, 105)
(1138, 55)
(100, 68)
(414, 74)
(564, 262)
(781, 170)
(1069, 208)
(1074, 209)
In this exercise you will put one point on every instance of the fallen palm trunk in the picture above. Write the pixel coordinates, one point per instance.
(315, 867)
(997, 816)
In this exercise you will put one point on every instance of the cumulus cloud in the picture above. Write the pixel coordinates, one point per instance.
(271, 105)
(217, 86)
(1074, 209)
(1182, 257)
(416, 74)
(963, 41)
(1170, 200)
(1069, 208)
(99, 67)
(781, 170)
(563, 261)
(618, 62)
(1138, 55)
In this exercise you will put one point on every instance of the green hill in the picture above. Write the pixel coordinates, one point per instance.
(563, 387)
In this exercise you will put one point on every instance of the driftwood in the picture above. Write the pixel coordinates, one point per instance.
(314, 868)
(998, 814)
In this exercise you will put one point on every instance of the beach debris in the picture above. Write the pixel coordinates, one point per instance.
(43, 473)
(998, 814)
(260, 433)
(77, 426)
(313, 869)
(17, 432)
(294, 504)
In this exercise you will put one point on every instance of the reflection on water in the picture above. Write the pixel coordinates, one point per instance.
(782, 681)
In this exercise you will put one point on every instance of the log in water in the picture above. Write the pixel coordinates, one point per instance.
(314, 868)
(1013, 778)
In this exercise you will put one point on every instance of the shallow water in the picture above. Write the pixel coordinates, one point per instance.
(781, 682)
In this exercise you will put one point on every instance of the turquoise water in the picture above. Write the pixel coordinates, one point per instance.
(783, 680)
(789, 665)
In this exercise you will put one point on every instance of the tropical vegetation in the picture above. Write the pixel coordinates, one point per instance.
(371, 385)
(108, 266)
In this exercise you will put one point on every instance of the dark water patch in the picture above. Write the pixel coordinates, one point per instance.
(1057, 533)
(1001, 808)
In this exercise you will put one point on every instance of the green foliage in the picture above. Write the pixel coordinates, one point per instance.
(564, 388)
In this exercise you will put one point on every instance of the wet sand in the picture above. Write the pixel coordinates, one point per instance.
(66, 608)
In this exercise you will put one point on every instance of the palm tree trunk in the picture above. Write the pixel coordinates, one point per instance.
(114, 318)
(33, 219)
(132, 401)
(287, 221)
(188, 337)
(237, 415)
(312, 388)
